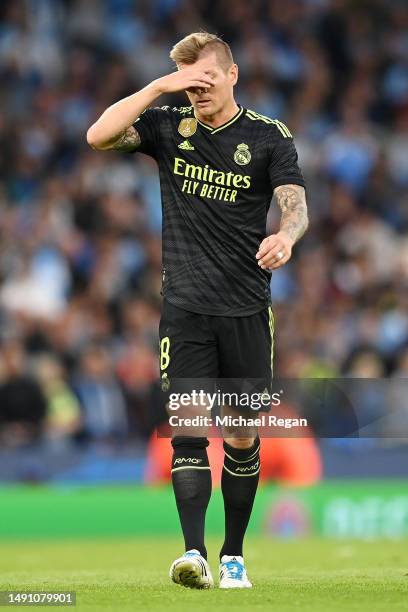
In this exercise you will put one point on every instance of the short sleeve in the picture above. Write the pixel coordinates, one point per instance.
(148, 126)
(283, 167)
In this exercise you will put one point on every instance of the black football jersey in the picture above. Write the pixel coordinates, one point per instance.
(216, 187)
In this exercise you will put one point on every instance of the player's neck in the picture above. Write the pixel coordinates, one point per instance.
(220, 118)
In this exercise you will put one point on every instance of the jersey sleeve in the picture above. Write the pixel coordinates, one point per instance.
(149, 127)
(283, 168)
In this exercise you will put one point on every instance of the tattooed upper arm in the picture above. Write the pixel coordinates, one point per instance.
(129, 140)
(292, 202)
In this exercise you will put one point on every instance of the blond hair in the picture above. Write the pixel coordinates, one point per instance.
(189, 49)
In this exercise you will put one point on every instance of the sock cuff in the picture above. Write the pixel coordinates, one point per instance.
(245, 462)
(189, 442)
(189, 455)
(242, 454)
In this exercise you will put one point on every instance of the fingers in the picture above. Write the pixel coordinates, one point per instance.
(196, 86)
(275, 262)
(207, 79)
(265, 246)
(269, 243)
(197, 83)
(203, 77)
(273, 253)
(197, 76)
(263, 249)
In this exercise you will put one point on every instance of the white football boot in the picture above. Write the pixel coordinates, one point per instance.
(192, 571)
(233, 573)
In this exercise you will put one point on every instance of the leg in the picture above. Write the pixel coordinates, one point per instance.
(246, 348)
(191, 477)
(239, 482)
(188, 355)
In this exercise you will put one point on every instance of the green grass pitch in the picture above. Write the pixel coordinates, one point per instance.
(132, 574)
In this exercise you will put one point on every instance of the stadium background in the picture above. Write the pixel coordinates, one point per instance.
(80, 261)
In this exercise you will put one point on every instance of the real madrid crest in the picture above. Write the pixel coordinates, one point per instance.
(242, 155)
(187, 127)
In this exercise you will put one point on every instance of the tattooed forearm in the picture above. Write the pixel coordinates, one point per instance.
(292, 202)
(127, 141)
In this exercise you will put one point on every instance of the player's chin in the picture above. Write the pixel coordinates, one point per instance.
(206, 109)
(203, 109)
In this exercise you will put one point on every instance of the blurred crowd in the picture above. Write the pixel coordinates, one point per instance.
(80, 231)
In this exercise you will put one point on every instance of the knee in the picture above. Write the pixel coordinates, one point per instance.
(240, 442)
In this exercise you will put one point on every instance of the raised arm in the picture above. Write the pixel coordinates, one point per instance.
(276, 250)
(114, 128)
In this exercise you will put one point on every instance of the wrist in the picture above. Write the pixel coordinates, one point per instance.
(157, 87)
(287, 237)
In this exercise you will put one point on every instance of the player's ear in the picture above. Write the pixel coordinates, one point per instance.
(233, 74)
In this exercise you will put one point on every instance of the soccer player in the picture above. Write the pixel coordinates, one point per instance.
(219, 165)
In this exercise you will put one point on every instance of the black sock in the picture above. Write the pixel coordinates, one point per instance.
(191, 476)
(239, 481)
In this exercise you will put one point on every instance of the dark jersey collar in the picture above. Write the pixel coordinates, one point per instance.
(224, 125)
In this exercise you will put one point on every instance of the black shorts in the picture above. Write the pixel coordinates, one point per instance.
(232, 353)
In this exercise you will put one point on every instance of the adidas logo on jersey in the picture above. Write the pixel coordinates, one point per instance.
(186, 146)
